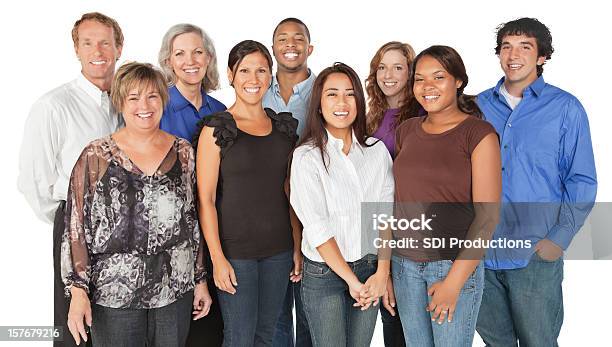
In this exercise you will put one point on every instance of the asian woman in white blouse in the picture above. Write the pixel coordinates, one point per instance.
(335, 168)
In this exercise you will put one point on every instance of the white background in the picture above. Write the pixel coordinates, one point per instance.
(37, 55)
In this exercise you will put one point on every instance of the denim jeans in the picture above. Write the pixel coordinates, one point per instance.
(162, 327)
(283, 334)
(250, 315)
(332, 319)
(411, 281)
(392, 328)
(523, 304)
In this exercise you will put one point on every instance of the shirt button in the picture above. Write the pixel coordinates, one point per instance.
(509, 125)
(503, 168)
(505, 146)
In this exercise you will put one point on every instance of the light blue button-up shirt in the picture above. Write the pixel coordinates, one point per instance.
(549, 181)
(298, 102)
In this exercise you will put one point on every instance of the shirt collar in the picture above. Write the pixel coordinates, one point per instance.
(90, 89)
(178, 101)
(339, 144)
(536, 86)
(302, 88)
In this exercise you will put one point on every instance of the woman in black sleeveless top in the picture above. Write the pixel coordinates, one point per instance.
(242, 157)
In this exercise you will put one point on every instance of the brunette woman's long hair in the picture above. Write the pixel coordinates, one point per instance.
(315, 133)
(377, 101)
(451, 62)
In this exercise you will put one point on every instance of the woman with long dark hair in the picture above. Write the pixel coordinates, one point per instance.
(334, 169)
(447, 169)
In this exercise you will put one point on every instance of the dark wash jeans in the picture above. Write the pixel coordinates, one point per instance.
(250, 315)
(392, 327)
(332, 319)
(283, 335)
(523, 304)
(166, 326)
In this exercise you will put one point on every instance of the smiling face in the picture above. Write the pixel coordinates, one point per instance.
(142, 108)
(291, 47)
(251, 78)
(97, 52)
(518, 56)
(392, 76)
(338, 104)
(434, 88)
(188, 59)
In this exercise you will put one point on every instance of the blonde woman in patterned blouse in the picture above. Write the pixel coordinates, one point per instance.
(132, 259)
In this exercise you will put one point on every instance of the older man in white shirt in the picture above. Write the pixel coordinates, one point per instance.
(60, 124)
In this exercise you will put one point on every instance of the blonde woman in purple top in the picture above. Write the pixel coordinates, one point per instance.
(387, 108)
(387, 92)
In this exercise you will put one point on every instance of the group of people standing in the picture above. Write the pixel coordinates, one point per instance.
(184, 222)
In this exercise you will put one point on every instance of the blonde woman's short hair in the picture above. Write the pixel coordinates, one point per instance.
(136, 75)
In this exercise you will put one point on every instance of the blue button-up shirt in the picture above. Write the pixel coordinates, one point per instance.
(549, 182)
(180, 117)
(298, 102)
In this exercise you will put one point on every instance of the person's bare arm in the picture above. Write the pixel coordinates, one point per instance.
(486, 193)
(208, 160)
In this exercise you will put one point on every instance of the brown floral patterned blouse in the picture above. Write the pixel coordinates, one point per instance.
(132, 240)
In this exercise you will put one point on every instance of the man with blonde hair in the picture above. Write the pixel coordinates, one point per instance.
(60, 124)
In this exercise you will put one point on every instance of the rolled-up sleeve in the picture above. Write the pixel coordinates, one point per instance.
(308, 200)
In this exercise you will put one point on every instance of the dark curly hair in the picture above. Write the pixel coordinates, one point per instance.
(451, 61)
(529, 27)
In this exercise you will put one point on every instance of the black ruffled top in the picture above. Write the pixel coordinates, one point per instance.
(252, 207)
(225, 128)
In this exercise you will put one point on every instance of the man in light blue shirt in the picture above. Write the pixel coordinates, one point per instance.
(291, 86)
(290, 92)
(549, 186)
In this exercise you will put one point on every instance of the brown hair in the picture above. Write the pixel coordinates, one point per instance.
(102, 19)
(314, 132)
(529, 27)
(135, 74)
(377, 102)
(244, 48)
(453, 64)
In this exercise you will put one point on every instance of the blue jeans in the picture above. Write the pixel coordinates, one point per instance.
(332, 319)
(523, 304)
(250, 315)
(283, 335)
(166, 326)
(411, 281)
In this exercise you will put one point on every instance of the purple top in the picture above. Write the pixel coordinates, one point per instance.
(386, 131)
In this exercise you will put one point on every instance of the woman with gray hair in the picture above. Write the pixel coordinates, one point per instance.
(189, 62)
(188, 59)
